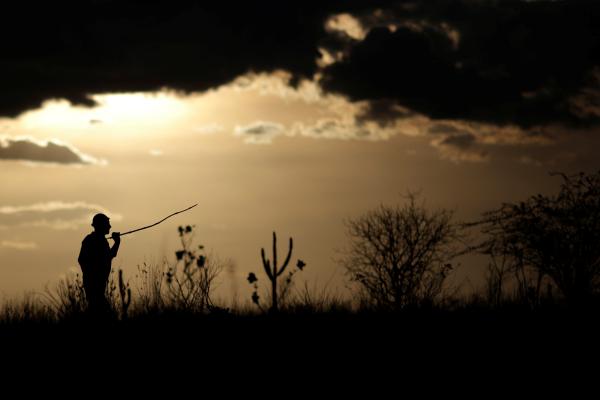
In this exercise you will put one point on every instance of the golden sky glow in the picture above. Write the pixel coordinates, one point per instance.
(163, 152)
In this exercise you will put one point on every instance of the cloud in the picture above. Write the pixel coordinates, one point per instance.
(335, 127)
(521, 63)
(259, 132)
(58, 215)
(378, 120)
(445, 128)
(585, 104)
(18, 245)
(347, 24)
(458, 142)
(52, 151)
(52, 206)
(280, 83)
(110, 46)
(502, 65)
(455, 140)
(476, 142)
(461, 141)
(340, 128)
(462, 147)
(385, 112)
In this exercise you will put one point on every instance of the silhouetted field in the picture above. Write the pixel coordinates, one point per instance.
(333, 327)
(339, 348)
(539, 303)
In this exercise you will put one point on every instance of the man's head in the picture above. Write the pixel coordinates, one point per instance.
(101, 223)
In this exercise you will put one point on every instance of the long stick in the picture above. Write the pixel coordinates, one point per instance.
(156, 223)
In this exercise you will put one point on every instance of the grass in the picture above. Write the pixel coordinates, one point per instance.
(154, 296)
(153, 300)
(170, 308)
(315, 334)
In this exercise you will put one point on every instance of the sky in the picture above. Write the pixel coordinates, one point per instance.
(290, 117)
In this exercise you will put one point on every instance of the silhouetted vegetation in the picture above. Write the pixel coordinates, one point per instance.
(189, 281)
(401, 255)
(547, 242)
(274, 271)
(543, 260)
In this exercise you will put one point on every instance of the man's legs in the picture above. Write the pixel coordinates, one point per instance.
(96, 299)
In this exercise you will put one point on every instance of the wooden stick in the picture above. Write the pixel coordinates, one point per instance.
(156, 223)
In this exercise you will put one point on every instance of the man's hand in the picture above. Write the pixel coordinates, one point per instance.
(116, 236)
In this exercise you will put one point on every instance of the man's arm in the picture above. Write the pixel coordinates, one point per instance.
(116, 236)
(83, 254)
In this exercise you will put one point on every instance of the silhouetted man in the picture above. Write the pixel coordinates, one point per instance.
(95, 260)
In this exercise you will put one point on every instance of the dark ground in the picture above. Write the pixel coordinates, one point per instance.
(374, 355)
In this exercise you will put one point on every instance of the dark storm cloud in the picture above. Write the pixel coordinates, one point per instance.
(498, 62)
(25, 149)
(384, 111)
(461, 147)
(442, 128)
(518, 62)
(70, 50)
(461, 141)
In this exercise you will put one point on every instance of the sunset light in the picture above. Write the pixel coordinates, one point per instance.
(369, 176)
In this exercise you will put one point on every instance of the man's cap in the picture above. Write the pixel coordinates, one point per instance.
(99, 219)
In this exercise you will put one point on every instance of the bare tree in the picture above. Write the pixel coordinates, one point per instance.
(507, 273)
(401, 255)
(557, 236)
